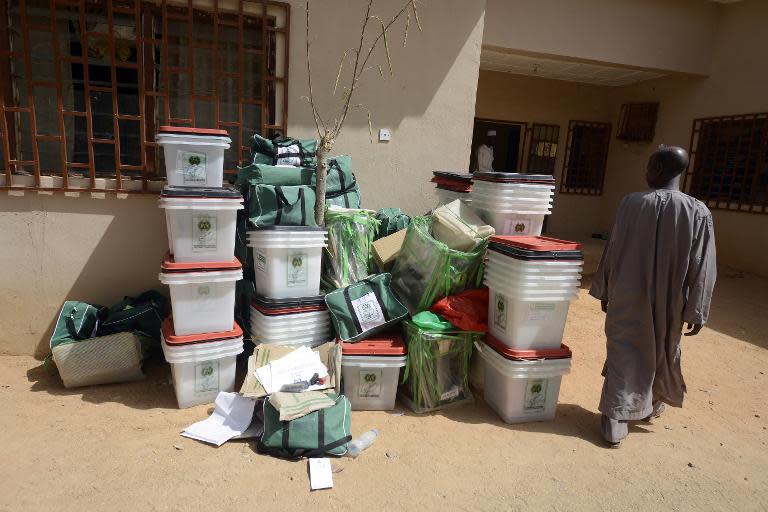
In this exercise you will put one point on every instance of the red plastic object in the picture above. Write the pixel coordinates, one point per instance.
(387, 344)
(468, 310)
(192, 339)
(537, 243)
(455, 185)
(509, 353)
(168, 265)
(286, 311)
(187, 130)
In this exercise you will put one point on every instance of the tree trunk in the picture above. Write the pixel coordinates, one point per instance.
(323, 149)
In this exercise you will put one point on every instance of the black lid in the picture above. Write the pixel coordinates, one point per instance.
(513, 177)
(201, 192)
(287, 228)
(525, 254)
(462, 176)
(297, 302)
(449, 189)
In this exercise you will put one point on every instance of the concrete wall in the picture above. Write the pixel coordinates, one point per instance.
(428, 104)
(506, 97)
(660, 34)
(737, 85)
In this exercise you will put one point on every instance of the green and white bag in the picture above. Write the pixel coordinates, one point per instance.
(281, 206)
(365, 308)
(288, 151)
(319, 433)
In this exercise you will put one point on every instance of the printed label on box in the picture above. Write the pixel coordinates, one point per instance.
(500, 313)
(207, 376)
(535, 395)
(297, 273)
(261, 261)
(517, 227)
(451, 393)
(192, 166)
(289, 155)
(204, 299)
(368, 311)
(540, 311)
(203, 233)
(370, 383)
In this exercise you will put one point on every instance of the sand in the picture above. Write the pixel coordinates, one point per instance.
(117, 447)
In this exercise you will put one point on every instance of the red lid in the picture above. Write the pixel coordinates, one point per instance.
(386, 344)
(191, 339)
(455, 185)
(537, 243)
(169, 265)
(509, 353)
(188, 130)
(287, 311)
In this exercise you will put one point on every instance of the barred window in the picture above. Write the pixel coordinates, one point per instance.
(542, 150)
(637, 122)
(85, 84)
(729, 162)
(586, 155)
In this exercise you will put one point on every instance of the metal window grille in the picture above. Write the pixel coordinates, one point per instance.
(586, 155)
(729, 162)
(85, 84)
(542, 151)
(637, 122)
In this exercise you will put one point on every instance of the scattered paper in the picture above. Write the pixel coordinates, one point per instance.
(231, 417)
(300, 365)
(320, 474)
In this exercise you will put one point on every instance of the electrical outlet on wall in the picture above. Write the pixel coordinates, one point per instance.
(385, 135)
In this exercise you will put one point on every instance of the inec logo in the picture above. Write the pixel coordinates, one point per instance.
(519, 227)
(194, 160)
(204, 225)
(297, 261)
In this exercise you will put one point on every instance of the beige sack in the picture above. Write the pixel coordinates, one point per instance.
(458, 226)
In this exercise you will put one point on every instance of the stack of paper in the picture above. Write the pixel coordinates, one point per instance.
(300, 365)
(231, 418)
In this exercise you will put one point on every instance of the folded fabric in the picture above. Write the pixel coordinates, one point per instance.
(295, 405)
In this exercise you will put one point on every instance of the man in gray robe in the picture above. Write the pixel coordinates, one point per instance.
(657, 272)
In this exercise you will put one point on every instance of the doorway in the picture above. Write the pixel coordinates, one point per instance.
(508, 145)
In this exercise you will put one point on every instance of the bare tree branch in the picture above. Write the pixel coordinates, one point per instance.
(315, 113)
(386, 44)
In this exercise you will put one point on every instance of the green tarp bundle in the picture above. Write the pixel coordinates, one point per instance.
(437, 368)
(426, 270)
(348, 258)
(392, 220)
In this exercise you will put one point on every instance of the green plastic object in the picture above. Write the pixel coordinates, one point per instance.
(430, 321)
(348, 258)
(392, 220)
(436, 372)
(426, 270)
(287, 151)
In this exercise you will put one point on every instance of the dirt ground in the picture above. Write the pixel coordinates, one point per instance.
(118, 447)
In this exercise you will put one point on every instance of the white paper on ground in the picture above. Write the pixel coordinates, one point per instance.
(320, 474)
(299, 365)
(231, 417)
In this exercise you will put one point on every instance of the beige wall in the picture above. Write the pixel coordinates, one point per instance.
(737, 85)
(674, 35)
(429, 104)
(506, 97)
(56, 248)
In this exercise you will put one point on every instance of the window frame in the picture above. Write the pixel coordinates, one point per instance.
(150, 179)
(552, 137)
(584, 190)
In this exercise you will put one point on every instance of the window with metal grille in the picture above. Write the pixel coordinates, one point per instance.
(85, 84)
(586, 154)
(637, 122)
(542, 150)
(729, 162)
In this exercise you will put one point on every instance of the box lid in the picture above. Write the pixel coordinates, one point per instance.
(169, 265)
(453, 176)
(536, 243)
(171, 339)
(273, 307)
(389, 343)
(512, 177)
(531, 255)
(509, 353)
(187, 130)
(201, 192)
(287, 229)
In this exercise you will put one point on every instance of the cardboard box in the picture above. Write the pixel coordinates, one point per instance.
(386, 250)
(330, 355)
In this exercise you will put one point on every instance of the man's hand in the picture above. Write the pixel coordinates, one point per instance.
(693, 329)
(604, 305)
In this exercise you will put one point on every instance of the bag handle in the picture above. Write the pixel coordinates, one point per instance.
(282, 202)
(377, 294)
(303, 207)
(355, 320)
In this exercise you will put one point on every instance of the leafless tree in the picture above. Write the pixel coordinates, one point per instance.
(358, 57)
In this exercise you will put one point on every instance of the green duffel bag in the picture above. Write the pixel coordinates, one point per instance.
(347, 199)
(77, 321)
(319, 433)
(340, 176)
(270, 205)
(365, 308)
(392, 220)
(286, 151)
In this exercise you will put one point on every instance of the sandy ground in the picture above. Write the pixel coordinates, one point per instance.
(114, 447)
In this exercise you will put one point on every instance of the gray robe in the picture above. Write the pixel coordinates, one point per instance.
(657, 271)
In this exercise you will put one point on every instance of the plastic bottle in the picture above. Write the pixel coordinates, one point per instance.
(357, 446)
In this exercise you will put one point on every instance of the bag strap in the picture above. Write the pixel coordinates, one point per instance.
(355, 320)
(321, 428)
(377, 294)
(286, 434)
(342, 182)
(282, 202)
(303, 207)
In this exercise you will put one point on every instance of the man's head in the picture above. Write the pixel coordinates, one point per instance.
(490, 138)
(665, 166)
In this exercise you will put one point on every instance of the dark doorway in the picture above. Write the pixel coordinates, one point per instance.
(508, 145)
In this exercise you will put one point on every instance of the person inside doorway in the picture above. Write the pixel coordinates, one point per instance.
(485, 153)
(657, 272)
